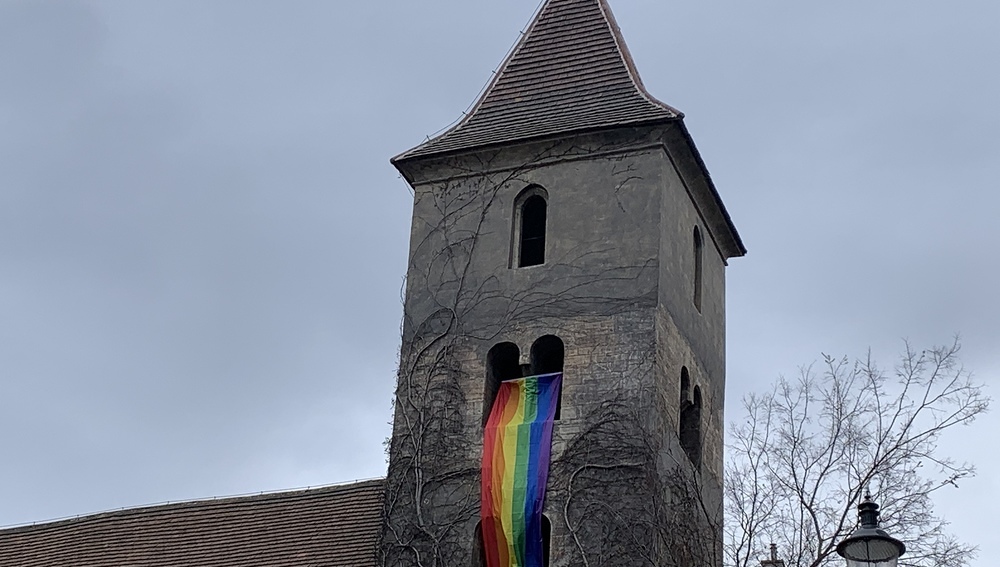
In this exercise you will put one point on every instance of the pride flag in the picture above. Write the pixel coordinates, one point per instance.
(517, 444)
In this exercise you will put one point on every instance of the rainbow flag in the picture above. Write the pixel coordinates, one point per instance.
(517, 444)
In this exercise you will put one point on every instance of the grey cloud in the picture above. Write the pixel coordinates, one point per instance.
(202, 242)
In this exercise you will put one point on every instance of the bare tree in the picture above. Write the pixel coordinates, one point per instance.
(806, 452)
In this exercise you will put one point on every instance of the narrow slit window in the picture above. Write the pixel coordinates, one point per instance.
(682, 410)
(533, 220)
(698, 253)
(690, 421)
(547, 356)
(685, 395)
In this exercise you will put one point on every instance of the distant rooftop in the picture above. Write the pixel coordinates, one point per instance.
(335, 526)
(570, 72)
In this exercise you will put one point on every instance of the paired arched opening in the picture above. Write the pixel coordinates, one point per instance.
(479, 551)
(547, 355)
(530, 220)
(503, 362)
(698, 254)
(690, 419)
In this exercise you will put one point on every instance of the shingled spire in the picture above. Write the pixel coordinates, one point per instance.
(570, 72)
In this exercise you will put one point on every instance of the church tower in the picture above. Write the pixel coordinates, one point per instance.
(566, 224)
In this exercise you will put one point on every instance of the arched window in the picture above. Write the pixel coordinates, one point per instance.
(698, 253)
(690, 421)
(547, 354)
(502, 363)
(530, 215)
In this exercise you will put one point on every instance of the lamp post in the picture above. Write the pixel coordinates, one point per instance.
(870, 546)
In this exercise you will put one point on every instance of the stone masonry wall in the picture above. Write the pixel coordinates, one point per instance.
(619, 491)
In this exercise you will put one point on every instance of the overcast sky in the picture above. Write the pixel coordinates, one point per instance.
(202, 241)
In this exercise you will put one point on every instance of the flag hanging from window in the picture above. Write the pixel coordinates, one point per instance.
(517, 445)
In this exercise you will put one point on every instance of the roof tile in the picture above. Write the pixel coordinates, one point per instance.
(336, 526)
(571, 71)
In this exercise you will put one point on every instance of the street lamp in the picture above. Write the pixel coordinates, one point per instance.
(869, 546)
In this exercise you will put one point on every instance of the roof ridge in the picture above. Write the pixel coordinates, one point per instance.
(626, 56)
(208, 500)
(501, 69)
(572, 56)
(493, 77)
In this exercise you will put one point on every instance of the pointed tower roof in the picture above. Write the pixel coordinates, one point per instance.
(571, 71)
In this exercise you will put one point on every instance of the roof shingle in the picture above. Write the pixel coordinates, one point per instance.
(335, 526)
(571, 71)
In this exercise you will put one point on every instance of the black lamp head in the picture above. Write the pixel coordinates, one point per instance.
(870, 546)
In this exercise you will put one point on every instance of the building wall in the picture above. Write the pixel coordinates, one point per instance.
(615, 288)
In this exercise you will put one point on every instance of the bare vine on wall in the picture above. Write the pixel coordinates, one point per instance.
(606, 476)
(621, 508)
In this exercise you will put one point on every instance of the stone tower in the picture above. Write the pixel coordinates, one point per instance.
(567, 223)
